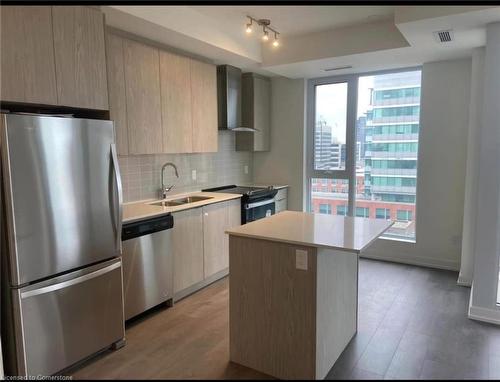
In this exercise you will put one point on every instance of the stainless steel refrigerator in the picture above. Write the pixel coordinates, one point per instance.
(62, 296)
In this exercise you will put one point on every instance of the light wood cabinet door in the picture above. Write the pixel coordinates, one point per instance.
(204, 106)
(234, 213)
(177, 125)
(187, 248)
(262, 113)
(80, 57)
(217, 218)
(215, 248)
(256, 113)
(142, 88)
(116, 90)
(27, 59)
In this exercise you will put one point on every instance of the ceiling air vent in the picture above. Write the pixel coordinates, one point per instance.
(338, 68)
(444, 36)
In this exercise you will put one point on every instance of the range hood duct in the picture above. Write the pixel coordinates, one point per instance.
(229, 98)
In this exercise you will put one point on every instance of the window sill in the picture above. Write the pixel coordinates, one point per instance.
(410, 241)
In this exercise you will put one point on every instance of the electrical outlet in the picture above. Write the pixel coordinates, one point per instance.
(193, 174)
(245, 169)
(301, 259)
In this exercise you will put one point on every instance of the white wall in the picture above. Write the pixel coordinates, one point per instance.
(284, 163)
(487, 244)
(441, 169)
(472, 169)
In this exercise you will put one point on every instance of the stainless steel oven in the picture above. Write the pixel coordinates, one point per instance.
(258, 210)
(256, 202)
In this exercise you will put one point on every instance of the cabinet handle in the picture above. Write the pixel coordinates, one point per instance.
(206, 214)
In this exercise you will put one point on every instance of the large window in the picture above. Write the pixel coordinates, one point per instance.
(330, 126)
(363, 160)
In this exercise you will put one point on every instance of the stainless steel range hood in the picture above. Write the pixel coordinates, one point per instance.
(229, 98)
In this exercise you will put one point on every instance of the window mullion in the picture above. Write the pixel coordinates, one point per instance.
(352, 102)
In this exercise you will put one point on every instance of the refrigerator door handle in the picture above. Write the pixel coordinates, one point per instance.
(119, 199)
(65, 284)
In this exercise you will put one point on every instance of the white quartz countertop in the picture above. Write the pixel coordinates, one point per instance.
(316, 230)
(140, 210)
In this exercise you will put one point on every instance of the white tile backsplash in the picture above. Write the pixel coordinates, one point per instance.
(141, 173)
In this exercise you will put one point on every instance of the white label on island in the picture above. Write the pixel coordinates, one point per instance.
(301, 259)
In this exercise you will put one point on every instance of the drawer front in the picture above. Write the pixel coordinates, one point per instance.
(282, 194)
(67, 321)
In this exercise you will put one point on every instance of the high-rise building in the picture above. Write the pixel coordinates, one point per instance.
(391, 139)
(328, 152)
(360, 141)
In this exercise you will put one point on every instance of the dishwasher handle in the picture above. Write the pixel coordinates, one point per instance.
(146, 227)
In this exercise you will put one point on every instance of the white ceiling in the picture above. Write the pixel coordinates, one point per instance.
(295, 20)
(313, 37)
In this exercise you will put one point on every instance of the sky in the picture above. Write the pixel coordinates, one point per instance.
(331, 101)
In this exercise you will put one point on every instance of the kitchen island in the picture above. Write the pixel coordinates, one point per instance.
(293, 290)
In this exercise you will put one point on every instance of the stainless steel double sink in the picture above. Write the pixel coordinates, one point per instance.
(181, 201)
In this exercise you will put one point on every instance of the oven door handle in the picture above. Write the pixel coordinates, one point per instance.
(258, 204)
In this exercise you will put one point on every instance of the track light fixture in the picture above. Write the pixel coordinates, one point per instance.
(265, 37)
(266, 27)
(276, 43)
(249, 26)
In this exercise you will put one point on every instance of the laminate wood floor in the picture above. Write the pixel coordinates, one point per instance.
(412, 325)
(187, 341)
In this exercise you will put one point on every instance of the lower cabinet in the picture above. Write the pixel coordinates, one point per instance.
(200, 246)
(187, 247)
(217, 218)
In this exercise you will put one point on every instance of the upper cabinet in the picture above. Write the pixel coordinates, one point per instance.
(80, 57)
(204, 106)
(27, 63)
(53, 56)
(255, 113)
(116, 90)
(161, 102)
(142, 89)
(176, 107)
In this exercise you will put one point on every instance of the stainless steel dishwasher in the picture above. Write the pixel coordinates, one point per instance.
(147, 264)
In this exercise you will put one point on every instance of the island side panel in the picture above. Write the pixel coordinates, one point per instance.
(272, 308)
(337, 302)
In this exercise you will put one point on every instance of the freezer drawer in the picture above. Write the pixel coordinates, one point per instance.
(67, 319)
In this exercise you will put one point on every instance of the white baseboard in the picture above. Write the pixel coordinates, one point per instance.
(491, 316)
(420, 261)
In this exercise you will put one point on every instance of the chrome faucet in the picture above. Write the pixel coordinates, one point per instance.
(164, 190)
